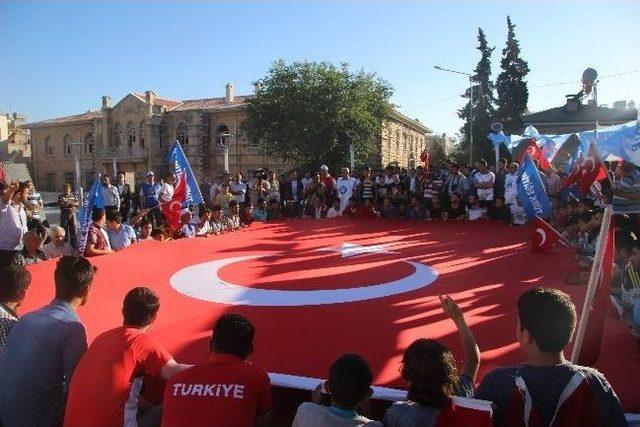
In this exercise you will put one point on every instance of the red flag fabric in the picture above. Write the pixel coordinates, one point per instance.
(425, 157)
(595, 325)
(3, 174)
(588, 170)
(466, 412)
(172, 210)
(530, 147)
(544, 236)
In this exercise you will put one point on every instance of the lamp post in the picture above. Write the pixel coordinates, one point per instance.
(470, 76)
(76, 158)
(352, 150)
(223, 137)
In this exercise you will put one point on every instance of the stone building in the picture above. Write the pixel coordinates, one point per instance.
(135, 134)
(15, 146)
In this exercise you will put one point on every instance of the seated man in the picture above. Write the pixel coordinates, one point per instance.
(31, 252)
(43, 349)
(14, 282)
(146, 229)
(499, 211)
(225, 391)
(58, 247)
(217, 222)
(548, 387)
(203, 226)
(273, 210)
(117, 364)
(388, 210)
(334, 211)
(120, 235)
(455, 210)
(349, 385)
(260, 212)
(232, 219)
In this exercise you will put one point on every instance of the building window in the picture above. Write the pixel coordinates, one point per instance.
(181, 134)
(116, 136)
(66, 142)
(141, 134)
(223, 136)
(89, 143)
(69, 178)
(48, 147)
(161, 129)
(130, 131)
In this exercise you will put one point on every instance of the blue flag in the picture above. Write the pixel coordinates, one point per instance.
(531, 193)
(181, 165)
(92, 199)
(622, 141)
(551, 144)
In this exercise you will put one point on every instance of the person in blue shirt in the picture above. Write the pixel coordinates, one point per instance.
(43, 350)
(120, 235)
(260, 212)
(149, 192)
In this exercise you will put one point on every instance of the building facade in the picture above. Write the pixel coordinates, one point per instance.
(135, 135)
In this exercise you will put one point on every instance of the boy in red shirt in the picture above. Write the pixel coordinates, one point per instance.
(226, 391)
(106, 385)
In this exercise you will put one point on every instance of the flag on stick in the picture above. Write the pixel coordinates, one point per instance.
(93, 200)
(545, 236)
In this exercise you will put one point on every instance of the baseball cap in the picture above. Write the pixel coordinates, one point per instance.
(150, 173)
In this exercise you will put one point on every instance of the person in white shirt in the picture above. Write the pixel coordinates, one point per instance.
(57, 247)
(238, 188)
(13, 219)
(335, 210)
(306, 180)
(166, 189)
(511, 185)
(484, 180)
(345, 186)
(349, 386)
(110, 194)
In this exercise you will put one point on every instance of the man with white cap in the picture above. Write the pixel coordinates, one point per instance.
(57, 247)
(329, 183)
(149, 192)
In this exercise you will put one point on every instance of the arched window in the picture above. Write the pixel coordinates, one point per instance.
(142, 133)
(48, 147)
(130, 132)
(66, 143)
(116, 136)
(223, 136)
(89, 143)
(181, 134)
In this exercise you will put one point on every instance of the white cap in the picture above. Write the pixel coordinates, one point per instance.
(150, 173)
(324, 168)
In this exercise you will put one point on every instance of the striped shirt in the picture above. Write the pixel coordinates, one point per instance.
(7, 319)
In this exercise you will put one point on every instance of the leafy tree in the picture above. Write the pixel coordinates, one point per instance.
(483, 108)
(511, 87)
(303, 111)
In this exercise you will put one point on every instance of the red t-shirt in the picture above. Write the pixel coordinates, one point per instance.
(106, 383)
(226, 392)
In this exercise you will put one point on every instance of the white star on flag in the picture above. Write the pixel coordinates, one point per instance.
(349, 250)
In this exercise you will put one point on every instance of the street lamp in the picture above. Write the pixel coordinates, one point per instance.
(470, 107)
(352, 151)
(225, 145)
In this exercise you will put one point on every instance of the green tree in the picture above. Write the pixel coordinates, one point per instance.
(303, 111)
(483, 108)
(511, 87)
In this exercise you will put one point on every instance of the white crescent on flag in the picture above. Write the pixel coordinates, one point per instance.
(543, 236)
(202, 281)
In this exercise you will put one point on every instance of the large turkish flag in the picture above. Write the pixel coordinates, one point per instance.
(316, 289)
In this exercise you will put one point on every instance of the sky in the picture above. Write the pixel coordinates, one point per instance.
(59, 58)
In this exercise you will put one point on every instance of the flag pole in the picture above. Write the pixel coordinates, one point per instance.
(596, 270)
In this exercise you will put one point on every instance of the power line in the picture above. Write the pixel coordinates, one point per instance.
(578, 81)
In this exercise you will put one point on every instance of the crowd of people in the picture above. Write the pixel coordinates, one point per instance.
(51, 376)
(48, 373)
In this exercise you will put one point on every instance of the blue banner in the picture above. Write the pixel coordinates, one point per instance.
(92, 199)
(180, 163)
(531, 193)
(622, 141)
(551, 144)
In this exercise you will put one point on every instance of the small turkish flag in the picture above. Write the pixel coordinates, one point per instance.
(544, 236)
(530, 146)
(588, 170)
(425, 157)
(172, 209)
